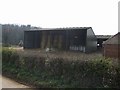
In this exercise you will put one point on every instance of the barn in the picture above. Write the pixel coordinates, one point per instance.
(111, 47)
(101, 39)
(75, 38)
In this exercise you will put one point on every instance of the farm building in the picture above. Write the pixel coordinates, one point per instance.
(76, 38)
(111, 47)
(101, 39)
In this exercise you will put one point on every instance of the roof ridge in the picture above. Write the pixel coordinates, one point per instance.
(63, 28)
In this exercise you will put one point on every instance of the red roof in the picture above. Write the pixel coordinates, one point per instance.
(114, 39)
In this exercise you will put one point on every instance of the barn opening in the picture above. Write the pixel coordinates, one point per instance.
(101, 39)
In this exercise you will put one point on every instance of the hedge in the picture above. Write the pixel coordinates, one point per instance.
(60, 72)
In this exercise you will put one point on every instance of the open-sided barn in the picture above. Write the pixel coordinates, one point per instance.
(101, 39)
(78, 39)
(111, 47)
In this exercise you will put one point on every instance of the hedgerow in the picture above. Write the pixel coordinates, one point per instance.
(60, 72)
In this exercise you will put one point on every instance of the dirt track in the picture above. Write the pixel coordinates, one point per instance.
(9, 83)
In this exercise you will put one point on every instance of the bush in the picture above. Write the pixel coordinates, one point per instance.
(6, 45)
(9, 56)
(60, 72)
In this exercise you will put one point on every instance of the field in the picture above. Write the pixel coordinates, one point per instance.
(59, 54)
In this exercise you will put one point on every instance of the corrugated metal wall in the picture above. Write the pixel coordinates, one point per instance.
(72, 39)
(77, 40)
(91, 41)
(32, 39)
(53, 39)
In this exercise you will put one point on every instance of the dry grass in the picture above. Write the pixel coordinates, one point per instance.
(66, 55)
(69, 55)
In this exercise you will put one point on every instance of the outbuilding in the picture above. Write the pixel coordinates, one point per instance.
(74, 38)
(101, 39)
(111, 47)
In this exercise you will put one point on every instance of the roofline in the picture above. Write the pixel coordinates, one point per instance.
(104, 36)
(105, 42)
(59, 28)
(93, 32)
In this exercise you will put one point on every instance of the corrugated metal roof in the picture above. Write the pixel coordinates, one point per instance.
(113, 40)
(104, 36)
(67, 28)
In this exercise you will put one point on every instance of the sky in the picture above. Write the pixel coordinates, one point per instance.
(101, 15)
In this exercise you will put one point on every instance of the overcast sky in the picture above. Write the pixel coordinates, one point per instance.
(101, 15)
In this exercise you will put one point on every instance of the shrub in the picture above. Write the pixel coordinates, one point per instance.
(6, 45)
(9, 56)
(60, 72)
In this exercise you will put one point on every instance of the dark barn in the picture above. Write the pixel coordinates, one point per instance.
(77, 39)
(111, 47)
